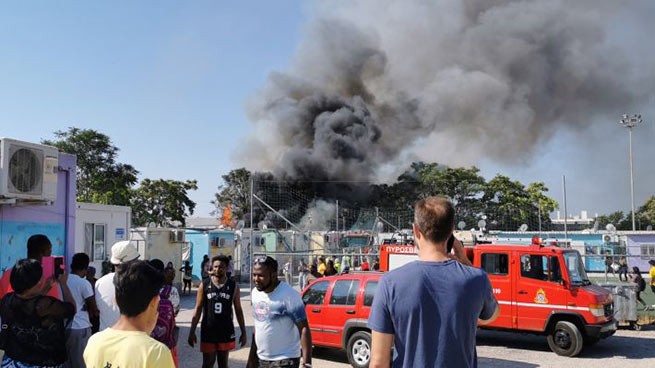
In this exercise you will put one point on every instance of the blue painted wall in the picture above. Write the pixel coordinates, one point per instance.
(199, 242)
(14, 237)
(209, 243)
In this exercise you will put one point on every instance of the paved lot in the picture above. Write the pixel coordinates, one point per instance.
(633, 349)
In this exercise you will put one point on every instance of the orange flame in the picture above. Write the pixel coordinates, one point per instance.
(226, 218)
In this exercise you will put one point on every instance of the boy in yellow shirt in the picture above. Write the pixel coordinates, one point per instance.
(127, 344)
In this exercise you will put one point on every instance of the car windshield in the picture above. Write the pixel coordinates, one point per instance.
(575, 268)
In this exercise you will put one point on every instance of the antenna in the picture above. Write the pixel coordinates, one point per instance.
(461, 225)
(523, 228)
(482, 224)
(610, 227)
(241, 224)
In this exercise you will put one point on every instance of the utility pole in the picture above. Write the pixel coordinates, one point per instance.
(631, 121)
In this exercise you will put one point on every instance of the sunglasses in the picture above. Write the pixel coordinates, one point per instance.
(265, 260)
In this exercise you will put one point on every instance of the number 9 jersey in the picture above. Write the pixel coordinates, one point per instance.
(217, 322)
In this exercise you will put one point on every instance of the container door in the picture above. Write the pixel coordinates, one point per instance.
(538, 290)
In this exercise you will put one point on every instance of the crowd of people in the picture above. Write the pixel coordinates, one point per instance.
(62, 319)
(127, 318)
(322, 267)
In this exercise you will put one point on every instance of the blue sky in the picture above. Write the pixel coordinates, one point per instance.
(168, 82)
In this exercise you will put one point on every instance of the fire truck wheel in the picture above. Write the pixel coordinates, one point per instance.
(359, 349)
(566, 339)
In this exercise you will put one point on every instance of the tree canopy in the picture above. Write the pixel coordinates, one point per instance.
(162, 202)
(103, 180)
(100, 179)
(234, 192)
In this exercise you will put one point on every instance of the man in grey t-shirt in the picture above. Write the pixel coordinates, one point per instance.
(428, 309)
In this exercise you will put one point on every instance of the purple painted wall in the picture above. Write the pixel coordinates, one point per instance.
(634, 244)
(57, 221)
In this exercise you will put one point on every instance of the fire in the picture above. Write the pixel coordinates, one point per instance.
(226, 217)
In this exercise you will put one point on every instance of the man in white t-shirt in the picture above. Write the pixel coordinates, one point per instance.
(77, 335)
(281, 332)
(122, 252)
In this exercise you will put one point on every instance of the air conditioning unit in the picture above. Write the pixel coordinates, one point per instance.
(177, 236)
(610, 238)
(28, 171)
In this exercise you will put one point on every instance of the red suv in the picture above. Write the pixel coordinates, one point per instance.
(337, 310)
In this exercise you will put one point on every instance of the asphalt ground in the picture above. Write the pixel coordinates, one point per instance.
(627, 348)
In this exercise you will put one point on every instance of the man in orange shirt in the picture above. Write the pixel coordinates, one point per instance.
(38, 246)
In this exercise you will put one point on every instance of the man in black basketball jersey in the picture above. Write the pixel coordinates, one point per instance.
(216, 296)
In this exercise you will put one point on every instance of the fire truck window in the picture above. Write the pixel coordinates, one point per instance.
(494, 263)
(369, 292)
(316, 294)
(534, 267)
(344, 292)
(555, 270)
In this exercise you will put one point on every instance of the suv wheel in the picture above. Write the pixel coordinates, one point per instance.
(566, 339)
(359, 349)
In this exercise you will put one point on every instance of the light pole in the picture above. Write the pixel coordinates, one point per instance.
(631, 121)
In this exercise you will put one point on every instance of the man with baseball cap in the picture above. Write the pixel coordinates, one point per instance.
(122, 252)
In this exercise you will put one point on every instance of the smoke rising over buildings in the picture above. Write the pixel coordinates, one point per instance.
(378, 84)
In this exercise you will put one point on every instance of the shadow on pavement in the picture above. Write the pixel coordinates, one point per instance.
(493, 362)
(333, 355)
(512, 340)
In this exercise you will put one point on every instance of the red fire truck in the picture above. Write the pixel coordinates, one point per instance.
(540, 289)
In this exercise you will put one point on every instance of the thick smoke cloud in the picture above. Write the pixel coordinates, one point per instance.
(377, 84)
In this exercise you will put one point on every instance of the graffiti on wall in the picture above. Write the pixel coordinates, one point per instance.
(14, 235)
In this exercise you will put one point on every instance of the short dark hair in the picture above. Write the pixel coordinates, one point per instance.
(80, 262)
(158, 264)
(136, 284)
(266, 261)
(25, 275)
(37, 245)
(221, 258)
(435, 218)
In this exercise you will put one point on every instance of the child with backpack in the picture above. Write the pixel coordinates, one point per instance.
(165, 330)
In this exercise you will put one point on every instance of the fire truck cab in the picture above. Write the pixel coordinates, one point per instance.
(540, 289)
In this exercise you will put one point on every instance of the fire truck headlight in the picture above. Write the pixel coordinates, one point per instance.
(597, 310)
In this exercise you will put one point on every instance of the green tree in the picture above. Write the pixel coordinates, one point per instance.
(620, 220)
(646, 213)
(234, 191)
(509, 204)
(162, 202)
(100, 179)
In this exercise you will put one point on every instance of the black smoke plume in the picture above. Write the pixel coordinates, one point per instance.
(378, 84)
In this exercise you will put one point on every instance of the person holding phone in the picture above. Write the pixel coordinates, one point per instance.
(38, 246)
(35, 322)
(429, 309)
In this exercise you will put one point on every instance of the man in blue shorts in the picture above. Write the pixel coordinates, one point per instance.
(428, 309)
